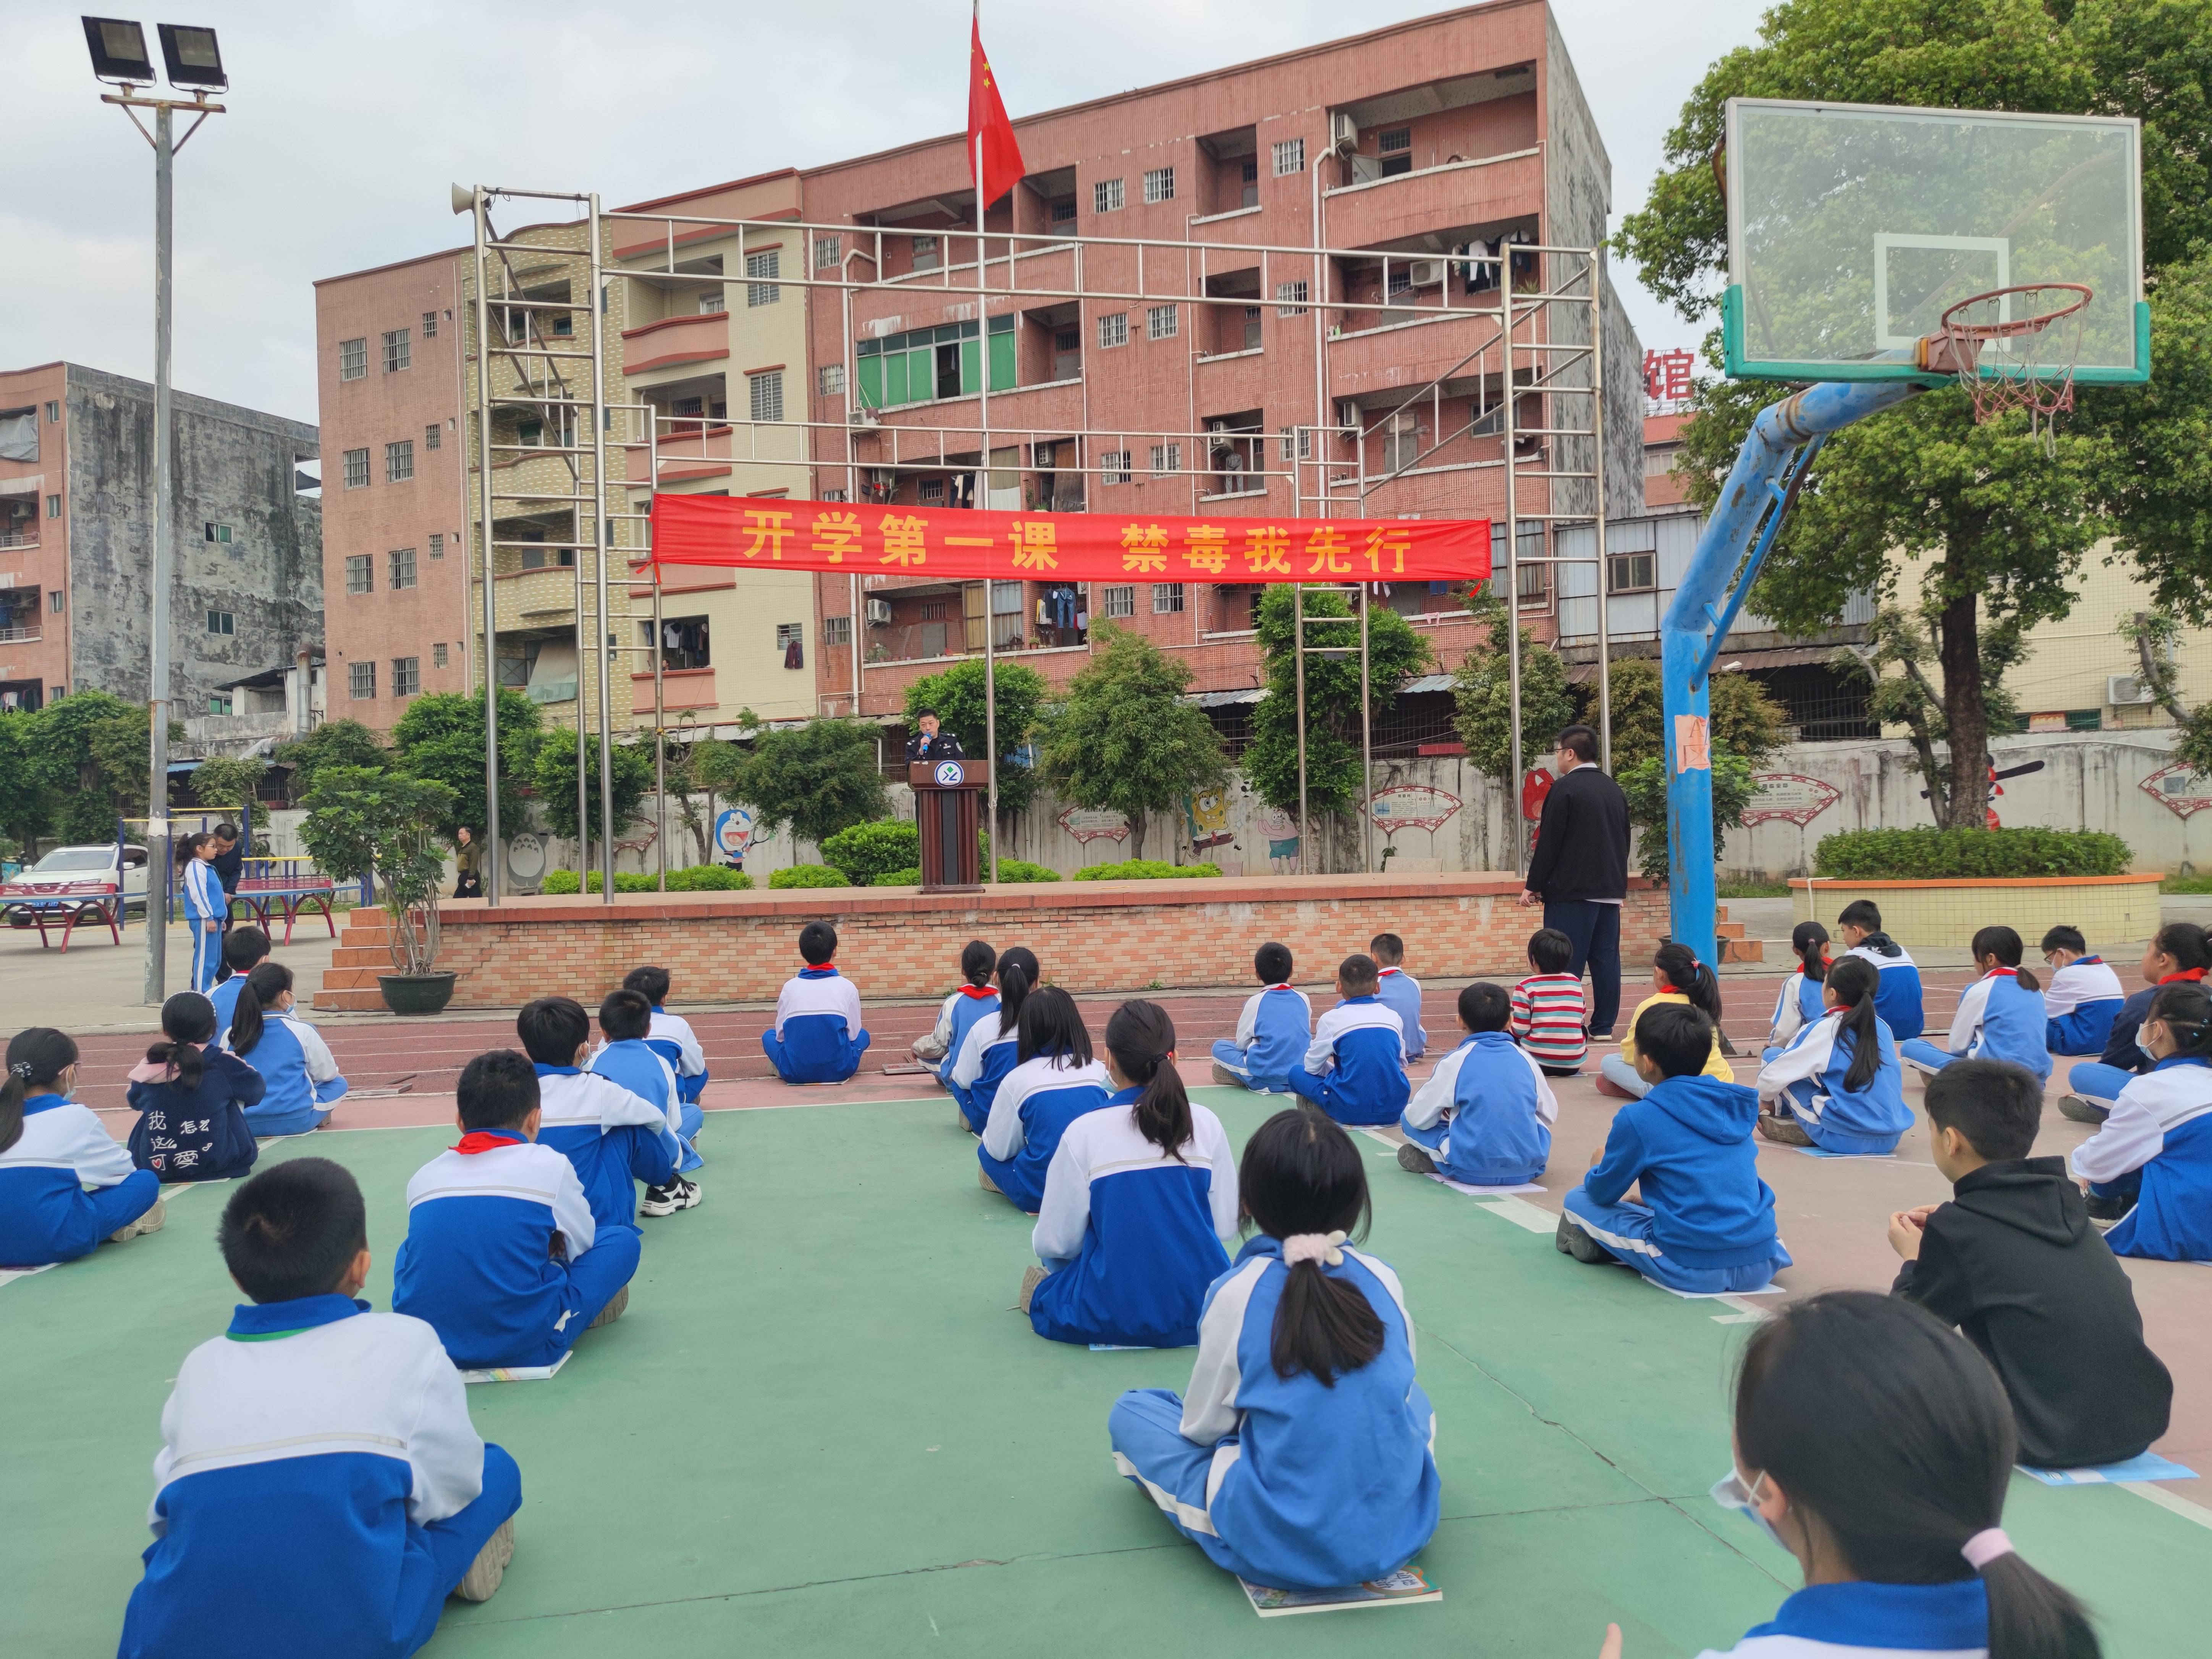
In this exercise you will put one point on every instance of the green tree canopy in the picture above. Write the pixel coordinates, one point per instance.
(1394, 654)
(1745, 721)
(1483, 690)
(364, 821)
(225, 783)
(1123, 738)
(818, 778)
(334, 743)
(956, 695)
(441, 738)
(555, 775)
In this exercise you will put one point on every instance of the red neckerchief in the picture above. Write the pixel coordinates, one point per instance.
(978, 992)
(1379, 972)
(2013, 973)
(1284, 985)
(2186, 973)
(488, 1141)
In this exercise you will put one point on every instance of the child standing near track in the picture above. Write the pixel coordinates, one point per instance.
(1273, 1029)
(64, 1184)
(2083, 998)
(817, 1036)
(961, 1009)
(1901, 1002)
(1836, 1084)
(1485, 1116)
(2000, 1015)
(1400, 991)
(1550, 1018)
(628, 1061)
(1055, 1081)
(301, 1079)
(205, 907)
(2150, 1163)
(992, 1047)
(1677, 978)
(192, 1099)
(614, 1139)
(1355, 1068)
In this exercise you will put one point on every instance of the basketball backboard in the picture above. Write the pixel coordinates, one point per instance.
(1852, 228)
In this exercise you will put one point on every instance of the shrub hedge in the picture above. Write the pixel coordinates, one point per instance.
(705, 878)
(1143, 869)
(626, 881)
(809, 875)
(1931, 854)
(1022, 870)
(898, 878)
(868, 852)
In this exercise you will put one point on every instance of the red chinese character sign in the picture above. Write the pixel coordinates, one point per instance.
(960, 544)
(1667, 376)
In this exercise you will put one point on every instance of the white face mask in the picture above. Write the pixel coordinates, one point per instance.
(1730, 1493)
(2143, 1043)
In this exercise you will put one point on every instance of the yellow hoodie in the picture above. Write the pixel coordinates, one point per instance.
(1716, 1064)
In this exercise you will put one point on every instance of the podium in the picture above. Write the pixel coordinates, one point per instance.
(948, 808)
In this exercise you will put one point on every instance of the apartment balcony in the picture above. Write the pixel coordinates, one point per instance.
(13, 539)
(674, 343)
(1488, 189)
(680, 689)
(536, 599)
(30, 635)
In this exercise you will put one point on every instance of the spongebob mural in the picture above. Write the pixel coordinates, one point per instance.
(1206, 815)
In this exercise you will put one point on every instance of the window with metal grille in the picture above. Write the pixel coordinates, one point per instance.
(399, 461)
(356, 469)
(1298, 440)
(1631, 573)
(1114, 466)
(1113, 329)
(434, 436)
(1290, 299)
(1167, 598)
(924, 254)
(836, 630)
(397, 353)
(933, 492)
(828, 250)
(1120, 601)
(438, 654)
(1161, 321)
(1067, 339)
(221, 622)
(353, 359)
(766, 395)
(1063, 212)
(1166, 458)
(1289, 156)
(360, 679)
(403, 566)
(788, 635)
(429, 325)
(437, 545)
(361, 573)
(759, 265)
(1159, 185)
(406, 677)
(1396, 149)
(1401, 442)
(831, 379)
(1106, 196)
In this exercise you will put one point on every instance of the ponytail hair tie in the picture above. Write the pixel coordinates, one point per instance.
(1319, 1247)
(1985, 1546)
(23, 1069)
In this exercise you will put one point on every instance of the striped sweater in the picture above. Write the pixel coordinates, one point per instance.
(1548, 1018)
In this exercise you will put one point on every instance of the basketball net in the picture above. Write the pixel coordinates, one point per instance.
(2014, 348)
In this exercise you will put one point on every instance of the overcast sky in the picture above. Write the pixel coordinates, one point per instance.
(349, 120)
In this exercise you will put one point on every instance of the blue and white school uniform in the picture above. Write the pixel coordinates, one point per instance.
(1029, 1113)
(1355, 1067)
(817, 1036)
(1899, 998)
(501, 1257)
(1289, 1483)
(204, 902)
(1796, 1006)
(2156, 1148)
(639, 1066)
(612, 1138)
(1402, 994)
(987, 1056)
(1131, 1237)
(300, 1080)
(1996, 1020)
(225, 998)
(1273, 1030)
(1485, 1113)
(1806, 1079)
(65, 1185)
(1705, 1224)
(319, 1490)
(2079, 1005)
(671, 1037)
(955, 1015)
(1861, 1620)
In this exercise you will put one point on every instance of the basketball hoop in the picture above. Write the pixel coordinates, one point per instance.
(2004, 350)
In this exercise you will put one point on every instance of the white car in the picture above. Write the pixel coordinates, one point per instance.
(41, 886)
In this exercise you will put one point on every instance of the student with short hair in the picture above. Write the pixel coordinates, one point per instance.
(1400, 991)
(205, 906)
(671, 1037)
(967, 1002)
(320, 1488)
(1836, 1084)
(244, 948)
(64, 1184)
(1138, 1200)
(301, 1081)
(1549, 1016)
(2015, 1262)
(1355, 1068)
(1705, 1223)
(192, 1098)
(2149, 1165)
(625, 1059)
(991, 1048)
(1299, 1456)
(2000, 1015)
(1273, 1029)
(613, 1139)
(1677, 978)
(501, 1257)
(2178, 954)
(817, 1036)
(1900, 1002)
(1799, 1004)
(2083, 998)
(1485, 1116)
(1055, 1081)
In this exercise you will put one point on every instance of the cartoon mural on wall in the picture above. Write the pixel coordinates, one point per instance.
(1281, 831)
(1206, 815)
(734, 837)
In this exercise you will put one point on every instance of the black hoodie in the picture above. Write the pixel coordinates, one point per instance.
(2015, 1263)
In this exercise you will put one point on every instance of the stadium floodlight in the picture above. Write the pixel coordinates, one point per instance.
(118, 50)
(193, 57)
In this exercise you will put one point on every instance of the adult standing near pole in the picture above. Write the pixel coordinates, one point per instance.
(468, 864)
(1579, 872)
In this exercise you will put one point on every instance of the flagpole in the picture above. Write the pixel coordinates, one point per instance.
(990, 585)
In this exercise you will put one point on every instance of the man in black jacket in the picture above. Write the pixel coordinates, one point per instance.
(229, 865)
(1580, 870)
(932, 742)
(2015, 1263)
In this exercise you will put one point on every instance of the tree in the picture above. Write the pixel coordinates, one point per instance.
(1644, 783)
(818, 778)
(227, 783)
(1394, 654)
(1894, 661)
(1483, 690)
(91, 750)
(25, 801)
(956, 695)
(440, 739)
(1745, 720)
(1124, 739)
(334, 743)
(2156, 636)
(364, 821)
(554, 776)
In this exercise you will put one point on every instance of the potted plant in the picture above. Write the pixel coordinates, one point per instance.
(363, 821)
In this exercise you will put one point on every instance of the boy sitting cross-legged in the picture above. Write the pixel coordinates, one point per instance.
(1355, 1068)
(671, 1037)
(817, 1036)
(501, 1256)
(1273, 1030)
(626, 1059)
(614, 1138)
(1485, 1116)
(336, 1440)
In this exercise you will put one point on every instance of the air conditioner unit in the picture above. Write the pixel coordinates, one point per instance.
(1426, 273)
(879, 613)
(2126, 691)
(1343, 133)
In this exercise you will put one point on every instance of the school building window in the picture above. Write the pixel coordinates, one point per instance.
(53, 507)
(361, 573)
(1160, 322)
(1120, 601)
(1113, 329)
(831, 380)
(766, 393)
(1167, 598)
(356, 469)
(399, 461)
(353, 359)
(1114, 466)
(1289, 156)
(403, 566)
(434, 436)
(438, 654)
(221, 622)
(1631, 573)
(429, 325)
(791, 641)
(361, 680)
(219, 533)
(827, 250)
(836, 630)
(1063, 212)
(763, 266)
(53, 414)
(398, 354)
(406, 677)
(1166, 458)
(932, 492)
(1396, 149)
(1290, 299)
(1106, 196)
(1159, 185)
(437, 545)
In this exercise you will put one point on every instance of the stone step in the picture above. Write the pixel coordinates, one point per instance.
(349, 954)
(1743, 950)
(1728, 930)
(370, 1001)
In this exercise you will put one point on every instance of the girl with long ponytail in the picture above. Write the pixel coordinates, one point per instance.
(992, 1047)
(1138, 1200)
(2001, 1015)
(1799, 1004)
(301, 1079)
(1334, 1401)
(1055, 1081)
(52, 1149)
(1677, 976)
(1837, 1084)
(191, 1097)
(2151, 1163)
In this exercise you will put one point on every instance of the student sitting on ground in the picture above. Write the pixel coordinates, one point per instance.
(1136, 1202)
(2150, 1163)
(671, 1037)
(2000, 1015)
(2177, 955)
(1703, 1220)
(817, 1036)
(2014, 1261)
(501, 1256)
(1055, 1081)
(337, 1440)
(192, 1098)
(1677, 978)
(1400, 991)
(2084, 995)
(1875, 1447)
(1836, 1084)
(64, 1184)
(301, 1078)
(1799, 1003)
(625, 1059)
(244, 948)
(613, 1138)
(991, 1049)
(1901, 1002)
(1485, 1116)
(975, 996)
(1273, 1029)
(1355, 1068)
(1304, 1380)
(1549, 1016)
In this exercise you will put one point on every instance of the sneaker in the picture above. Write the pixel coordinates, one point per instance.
(983, 1180)
(611, 1312)
(1572, 1240)
(1782, 1131)
(1031, 1277)
(677, 1194)
(2082, 1111)
(152, 1222)
(1413, 1157)
(960, 1119)
(489, 1566)
(1226, 1078)
(2106, 1211)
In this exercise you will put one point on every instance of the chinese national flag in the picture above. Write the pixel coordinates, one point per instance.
(998, 165)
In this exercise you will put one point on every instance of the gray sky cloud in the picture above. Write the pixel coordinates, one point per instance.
(349, 120)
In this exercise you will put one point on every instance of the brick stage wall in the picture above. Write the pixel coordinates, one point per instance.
(740, 947)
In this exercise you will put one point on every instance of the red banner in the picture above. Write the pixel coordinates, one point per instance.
(961, 544)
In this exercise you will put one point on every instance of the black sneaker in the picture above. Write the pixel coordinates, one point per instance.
(2082, 1111)
(2108, 1210)
(1572, 1240)
(1416, 1158)
(677, 1194)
